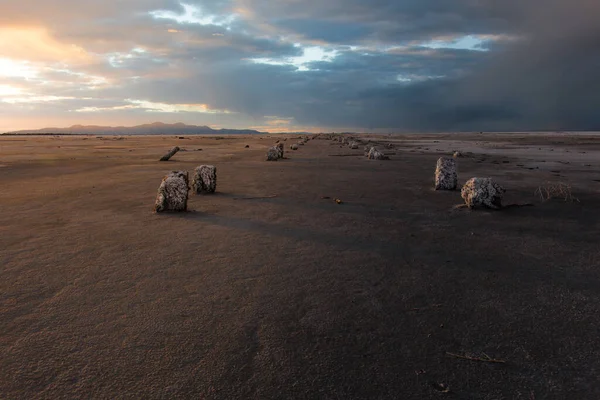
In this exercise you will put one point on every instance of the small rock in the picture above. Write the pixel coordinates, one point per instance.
(354, 145)
(457, 154)
(247, 146)
(294, 146)
(482, 192)
(173, 192)
(205, 179)
(446, 177)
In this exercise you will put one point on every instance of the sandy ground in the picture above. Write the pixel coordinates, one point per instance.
(295, 296)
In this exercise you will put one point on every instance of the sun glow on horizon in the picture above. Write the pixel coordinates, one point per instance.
(150, 106)
(8, 90)
(36, 44)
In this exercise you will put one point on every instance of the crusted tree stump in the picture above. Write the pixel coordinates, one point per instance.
(170, 154)
(482, 192)
(173, 192)
(280, 148)
(205, 179)
(446, 177)
(273, 153)
(375, 154)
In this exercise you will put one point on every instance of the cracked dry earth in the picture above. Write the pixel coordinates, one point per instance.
(269, 289)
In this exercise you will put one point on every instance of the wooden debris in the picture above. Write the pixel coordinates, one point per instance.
(255, 198)
(170, 154)
(485, 358)
(173, 192)
(204, 179)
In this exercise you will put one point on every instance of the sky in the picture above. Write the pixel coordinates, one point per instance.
(302, 65)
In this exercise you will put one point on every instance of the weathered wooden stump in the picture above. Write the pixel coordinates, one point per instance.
(280, 148)
(170, 154)
(204, 179)
(446, 177)
(375, 154)
(173, 192)
(482, 192)
(273, 154)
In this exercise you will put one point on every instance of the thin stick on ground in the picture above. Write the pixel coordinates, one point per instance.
(486, 358)
(426, 308)
(255, 198)
(513, 205)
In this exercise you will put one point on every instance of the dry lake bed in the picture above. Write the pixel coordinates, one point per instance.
(269, 289)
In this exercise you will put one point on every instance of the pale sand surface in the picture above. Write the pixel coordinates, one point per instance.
(294, 296)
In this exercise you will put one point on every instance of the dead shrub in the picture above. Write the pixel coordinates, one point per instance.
(556, 190)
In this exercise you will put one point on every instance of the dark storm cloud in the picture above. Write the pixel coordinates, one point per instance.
(539, 74)
(392, 21)
(539, 70)
(325, 30)
(544, 80)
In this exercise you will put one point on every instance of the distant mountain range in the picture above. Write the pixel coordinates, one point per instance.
(157, 128)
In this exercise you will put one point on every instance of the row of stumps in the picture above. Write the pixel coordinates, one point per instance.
(173, 190)
(276, 152)
(477, 192)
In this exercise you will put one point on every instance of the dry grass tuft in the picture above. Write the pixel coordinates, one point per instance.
(556, 190)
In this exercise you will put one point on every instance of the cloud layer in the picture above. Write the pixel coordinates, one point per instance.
(383, 65)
